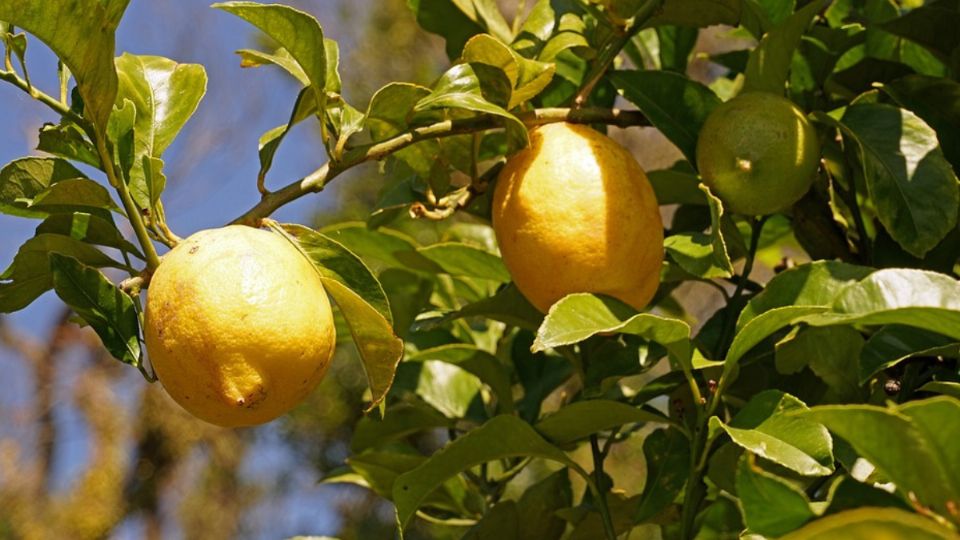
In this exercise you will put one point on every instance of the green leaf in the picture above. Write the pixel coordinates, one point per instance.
(458, 20)
(120, 133)
(296, 31)
(771, 506)
(108, 310)
(927, 438)
(478, 362)
(674, 104)
(446, 387)
(895, 343)
(527, 77)
(88, 228)
(346, 279)
(508, 306)
(385, 246)
(766, 427)
(460, 88)
(937, 101)
(67, 140)
(769, 63)
(500, 438)
(832, 353)
(23, 179)
(381, 469)
(912, 185)
(389, 113)
(336, 262)
(697, 13)
(677, 185)
(74, 194)
(667, 456)
(502, 521)
(280, 57)
(951, 389)
(932, 26)
(459, 259)
(165, 95)
(402, 420)
(538, 506)
(916, 298)
(81, 33)
(887, 523)
(700, 254)
(582, 418)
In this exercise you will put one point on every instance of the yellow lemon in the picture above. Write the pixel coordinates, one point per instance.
(758, 153)
(574, 212)
(238, 325)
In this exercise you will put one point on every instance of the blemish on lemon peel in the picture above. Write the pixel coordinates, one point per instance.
(254, 335)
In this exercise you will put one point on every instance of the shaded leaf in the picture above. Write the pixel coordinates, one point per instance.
(402, 420)
(580, 419)
(23, 179)
(480, 363)
(891, 523)
(667, 456)
(508, 306)
(771, 506)
(769, 63)
(895, 343)
(459, 259)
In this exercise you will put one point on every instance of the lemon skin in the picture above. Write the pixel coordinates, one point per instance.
(758, 153)
(574, 212)
(238, 326)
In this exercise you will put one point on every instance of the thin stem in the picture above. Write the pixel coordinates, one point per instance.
(319, 178)
(55, 104)
(756, 227)
(601, 494)
(133, 213)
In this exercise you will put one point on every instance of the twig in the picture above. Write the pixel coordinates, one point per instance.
(319, 178)
(49, 101)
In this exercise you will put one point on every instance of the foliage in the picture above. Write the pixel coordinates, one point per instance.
(819, 401)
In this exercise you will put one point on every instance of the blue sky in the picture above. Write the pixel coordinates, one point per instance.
(211, 171)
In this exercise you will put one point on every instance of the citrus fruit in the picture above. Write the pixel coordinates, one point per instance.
(574, 212)
(238, 326)
(758, 153)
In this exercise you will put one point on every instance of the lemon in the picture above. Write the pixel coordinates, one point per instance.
(574, 212)
(758, 153)
(238, 326)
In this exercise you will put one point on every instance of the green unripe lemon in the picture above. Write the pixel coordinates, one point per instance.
(758, 153)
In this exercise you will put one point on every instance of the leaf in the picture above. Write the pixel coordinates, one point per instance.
(916, 298)
(296, 31)
(476, 361)
(891, 523)
(23, 179)
(912, 185)
(932, 26)
(697, 13)
(81, 33)
(951, 389)
(403, 419)
(539, 503)
(508, 306)
(527, 77)
(336, 262)
(108, 310)
(389, 113)
(500, 438)
(674, 104)
(379, 347)
(381, 469)
(280, 57)
(937, 101)
(667, 456)
(460, 88)
(771, 506)
(582, 418)
(74, 194)
(446, 387)
(269, 142)
(458, 20)
(459, 259)
(501, 521)
(703, 255)
(68, 141)
(677, 185)
(766, 427)
(769, 63)
(88, 228)
(388, 247)
(832, 353)
(895, 343)
(927, 437)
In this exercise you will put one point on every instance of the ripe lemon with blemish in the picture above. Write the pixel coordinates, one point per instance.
(574, 212)
(238, 326)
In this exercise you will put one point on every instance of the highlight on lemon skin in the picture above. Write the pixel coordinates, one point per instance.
(238, 326)
(758, 153)
(574, 212)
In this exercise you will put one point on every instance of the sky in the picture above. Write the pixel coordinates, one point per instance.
(211, 170)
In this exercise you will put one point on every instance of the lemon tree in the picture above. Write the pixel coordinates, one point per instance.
(772, 321)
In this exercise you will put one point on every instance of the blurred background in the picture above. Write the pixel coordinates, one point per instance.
(88, 449)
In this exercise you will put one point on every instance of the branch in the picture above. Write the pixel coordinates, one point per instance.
(58, 106)
(319, 178)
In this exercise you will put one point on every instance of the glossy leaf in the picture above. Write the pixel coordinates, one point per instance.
(459, 259)
(771, 506)
(580, 419)
(508, 306)
(887, 523)
(81, 33)
(895, 343)
(458, 20)
(703, 254)
(23, 179)
(527, 77)
(480, 363)
(502, 437)
(280, 57)
(88, 228)
(389, 113)
(667, 456)
(350, 283)
(445, 386)
(769, 63)
(912, 185)
(927, 437)
(767, 427)
(674, 104)
(937, 101)
(951, 389)
(108, 310)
